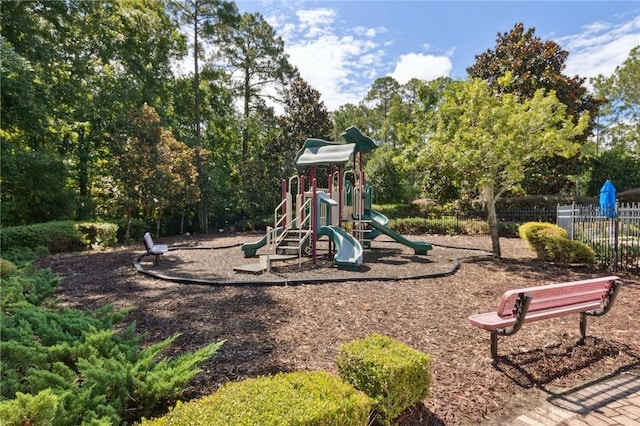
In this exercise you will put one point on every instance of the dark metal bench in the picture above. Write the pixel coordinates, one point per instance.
(516, 307)
(154, 249)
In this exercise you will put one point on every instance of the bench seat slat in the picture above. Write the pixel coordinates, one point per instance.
(159, 249)
(556, 295)
(492, 321)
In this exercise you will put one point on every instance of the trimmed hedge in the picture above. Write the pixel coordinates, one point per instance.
(551, 243)
(395, 375)
(298, 398)
(58, 237)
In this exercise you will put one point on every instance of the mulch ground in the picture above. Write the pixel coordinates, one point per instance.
(297, 317)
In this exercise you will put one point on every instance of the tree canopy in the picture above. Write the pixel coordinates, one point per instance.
(78, 74)
(485, 140)
(535, 64)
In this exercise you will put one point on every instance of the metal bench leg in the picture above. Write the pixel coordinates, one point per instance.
(494, 344)
(157, 258)
(583, 327)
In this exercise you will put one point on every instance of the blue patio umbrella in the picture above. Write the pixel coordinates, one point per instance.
(608, 199)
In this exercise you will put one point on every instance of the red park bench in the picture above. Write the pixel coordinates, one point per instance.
(587, 297)
(154, 249)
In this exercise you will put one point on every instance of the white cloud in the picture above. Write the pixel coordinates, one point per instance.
(421, 66)
(330, 64)
(342, 63)
(316, 22)
(600, 48)
(331, 60)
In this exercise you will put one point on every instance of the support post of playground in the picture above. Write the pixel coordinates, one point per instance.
(314, 218)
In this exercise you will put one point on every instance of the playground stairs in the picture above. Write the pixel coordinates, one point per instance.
(287, 253)
(292, 241)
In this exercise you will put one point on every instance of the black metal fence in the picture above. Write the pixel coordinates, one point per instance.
(616, 241)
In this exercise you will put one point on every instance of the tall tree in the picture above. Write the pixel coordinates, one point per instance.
(255, 57)
(153, 171)
(90, 62)
(379, 101)
(305, 116)
(349, 115)
(203, 21)
(486, 140)
(433, 180)
(534, 65)
(620, 115)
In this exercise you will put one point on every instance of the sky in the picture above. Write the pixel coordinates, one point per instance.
(342, 47)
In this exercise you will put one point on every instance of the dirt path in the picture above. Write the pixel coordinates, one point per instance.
(291, 327)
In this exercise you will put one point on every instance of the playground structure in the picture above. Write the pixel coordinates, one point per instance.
(341, 211)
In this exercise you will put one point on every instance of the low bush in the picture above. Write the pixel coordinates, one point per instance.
(26, 409)
(67, 367)
(440, 226)
(535, 234)
(551, 243)
(395, 375)
(99, 234)
(29, 284)
(57, 237)
(298, 398)
(565, 251)
(7, 268)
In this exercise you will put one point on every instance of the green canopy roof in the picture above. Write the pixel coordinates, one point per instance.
(363, 143)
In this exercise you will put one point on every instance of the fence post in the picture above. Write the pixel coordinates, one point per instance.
(616, 223)
(573, 218)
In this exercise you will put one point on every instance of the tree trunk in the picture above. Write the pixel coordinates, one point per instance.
(157, 236)
(245, 114)
(493, 229)
(127, 231)
(203, 216)
(488, 196)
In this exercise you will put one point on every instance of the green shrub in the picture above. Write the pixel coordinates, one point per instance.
(30, 284)
(551, 242)
(57, 237)
(7, 268)
(569, 251)
(97, 375)
(299, 398)
(34, 410)
(99, 234)
(535, 234)
(395, 375)
(400, 210)
(19, 255)
(441, 226)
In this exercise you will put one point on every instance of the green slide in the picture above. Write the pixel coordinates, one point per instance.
(379, 222)
(349, 254)
(376, 217)
(250, 249)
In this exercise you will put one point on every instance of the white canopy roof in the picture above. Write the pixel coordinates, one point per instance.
(324, 155)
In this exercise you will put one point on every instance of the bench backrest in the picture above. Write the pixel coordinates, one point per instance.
(148, 241)
(557, 295)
